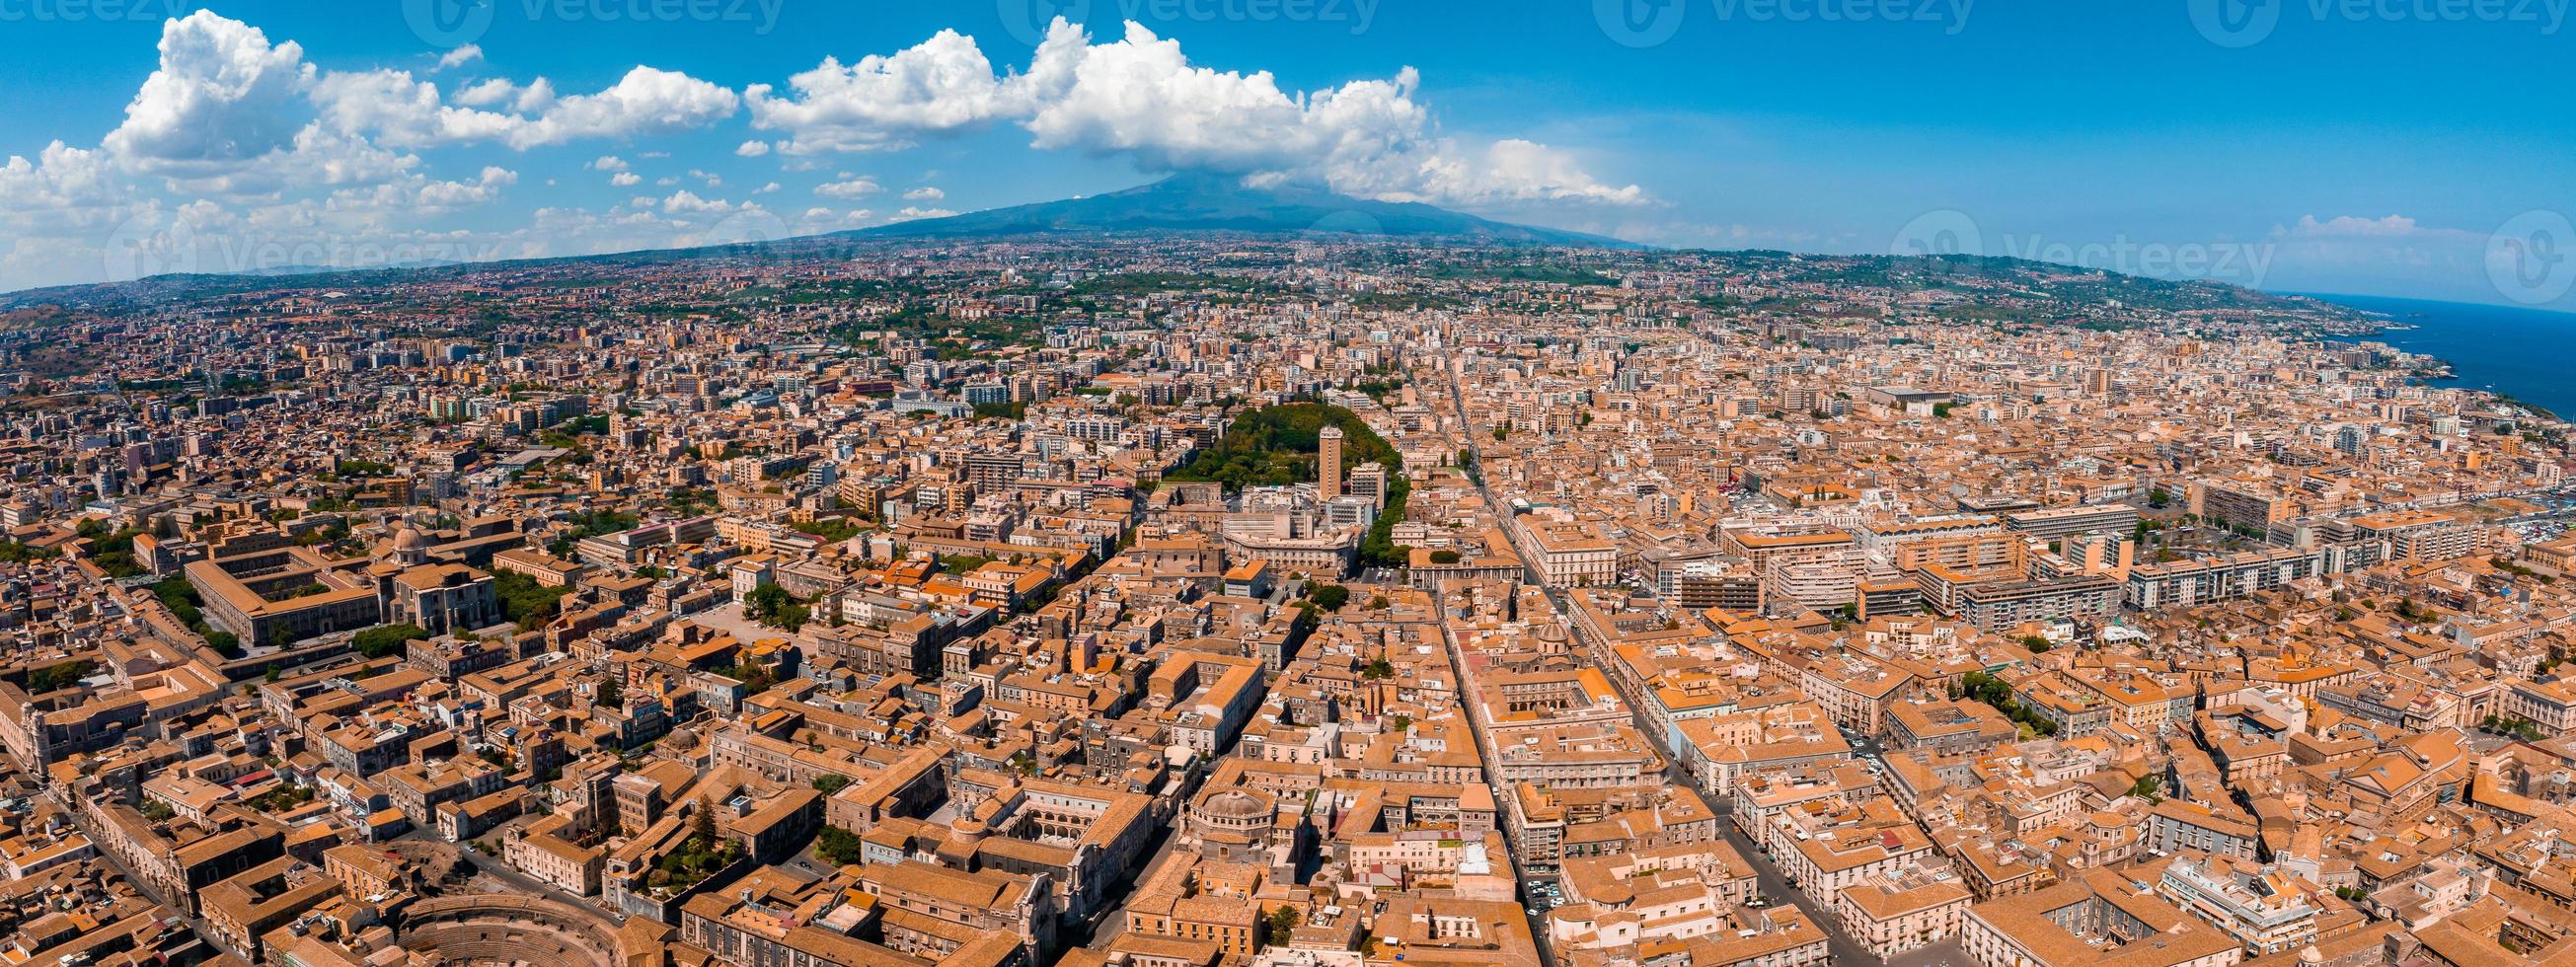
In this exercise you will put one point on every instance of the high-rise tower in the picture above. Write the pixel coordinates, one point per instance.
(1328, 462)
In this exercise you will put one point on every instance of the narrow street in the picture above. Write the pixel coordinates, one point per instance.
(1839, 944)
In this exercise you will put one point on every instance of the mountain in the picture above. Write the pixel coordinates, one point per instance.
(1221, 203)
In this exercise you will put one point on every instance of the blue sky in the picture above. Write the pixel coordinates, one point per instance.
(2403, 147)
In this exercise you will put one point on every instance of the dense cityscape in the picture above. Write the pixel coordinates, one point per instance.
(1197, 600)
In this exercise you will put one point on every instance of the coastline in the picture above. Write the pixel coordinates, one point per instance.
(2397, 318)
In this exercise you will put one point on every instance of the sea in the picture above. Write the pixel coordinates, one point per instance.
(2517, 352)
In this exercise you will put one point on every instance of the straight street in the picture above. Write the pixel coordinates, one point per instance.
(1841, 946)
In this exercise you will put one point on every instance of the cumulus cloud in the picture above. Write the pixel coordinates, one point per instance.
(62, 177)
(531, 98)
(2352, 226)
(850, 189)
(235, 131)
(396, 109)
(689, 202)
(1140, 97)
(646, 101)
(222, 95)
(941, 86)
(393, 108)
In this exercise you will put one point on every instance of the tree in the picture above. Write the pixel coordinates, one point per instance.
(1330, 597)
(612, 693)
(838, 846)
(830, 783)
(63, 675)
(1281, 925)
(1378, 669)
(773, 607)
(383, 640)
(702, 829)
(523, 600)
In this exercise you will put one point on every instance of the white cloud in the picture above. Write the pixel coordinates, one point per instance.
(646, 101)
(61, 177)
(2389, 226)
(941, 86)
(533, 98)
(222, 96)
(424, 193)
(684, 202)
(394, 108)
(235, 135)
(853, 188)
(1139, 96)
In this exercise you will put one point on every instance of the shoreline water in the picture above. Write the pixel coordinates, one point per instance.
(2487, 349)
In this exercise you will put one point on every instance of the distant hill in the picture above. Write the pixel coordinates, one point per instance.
(1220, 203)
